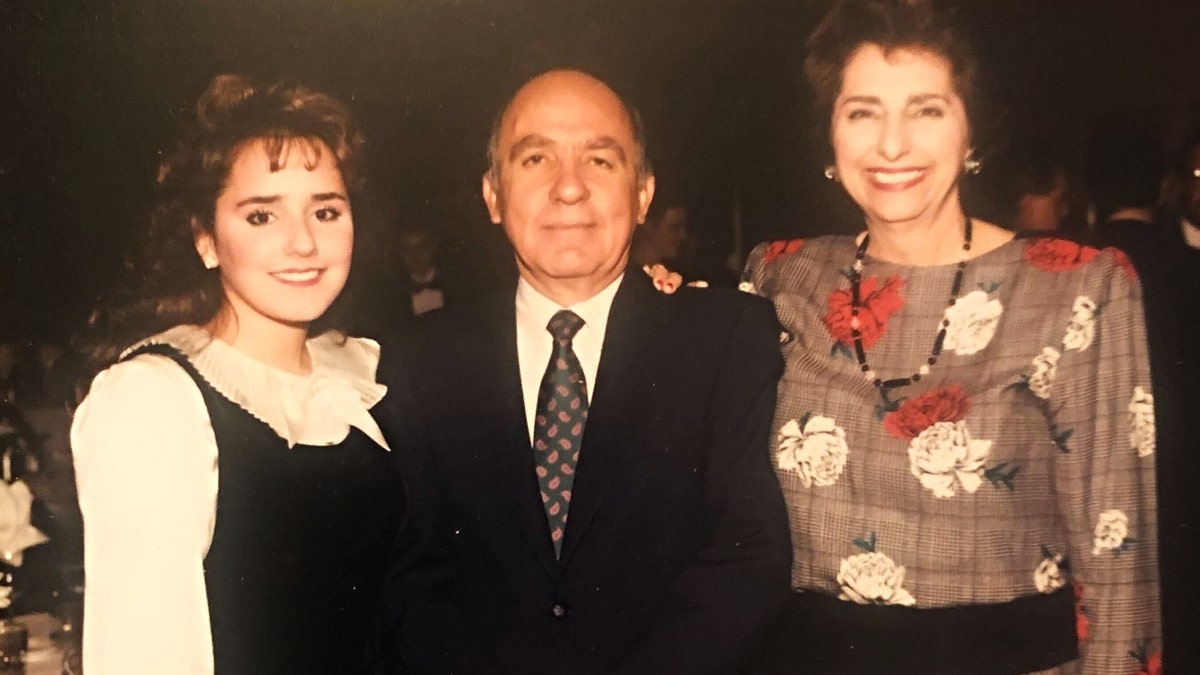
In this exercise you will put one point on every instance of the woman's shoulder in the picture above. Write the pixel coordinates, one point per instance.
(785, 263)
(147, 375)
(1079, 260)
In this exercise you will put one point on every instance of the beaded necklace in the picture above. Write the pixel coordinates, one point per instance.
(856, 305)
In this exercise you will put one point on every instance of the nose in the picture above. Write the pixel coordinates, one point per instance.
(893, 138)
(569, 184)
(300, 239)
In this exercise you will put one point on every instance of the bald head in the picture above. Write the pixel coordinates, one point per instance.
(564, 80)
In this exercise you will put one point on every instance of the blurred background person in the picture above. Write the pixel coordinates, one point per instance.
(11, 386)
(1039, 190)
(663, 239)
(239, 500)
(1124, 174)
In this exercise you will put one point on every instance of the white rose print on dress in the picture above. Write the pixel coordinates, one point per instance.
(1081, 329)
(945, 458)
(1052, 572)
(1045, 369)
(814, 448)
(972, 322)
(1141, 422)
(872, 578)
(1112, 532)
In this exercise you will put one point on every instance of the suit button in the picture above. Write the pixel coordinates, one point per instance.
(560, 610)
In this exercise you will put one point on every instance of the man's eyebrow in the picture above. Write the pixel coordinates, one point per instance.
(925, 98)
(608, 143)
(527, 142)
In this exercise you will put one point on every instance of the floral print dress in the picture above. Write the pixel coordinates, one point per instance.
(1020, 462)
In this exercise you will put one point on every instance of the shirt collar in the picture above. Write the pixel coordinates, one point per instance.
(537, 309)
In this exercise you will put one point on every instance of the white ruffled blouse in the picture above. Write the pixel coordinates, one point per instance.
(146, 465)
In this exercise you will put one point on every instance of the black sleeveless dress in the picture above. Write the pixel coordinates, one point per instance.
(302, 540)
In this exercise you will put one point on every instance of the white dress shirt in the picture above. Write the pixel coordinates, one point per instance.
(146, 469)
(534, 344)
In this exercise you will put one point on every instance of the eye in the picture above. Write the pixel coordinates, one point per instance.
(602, 162)
(327, 214)
(931, 111)
(259, 217)
(533, 160)
(860, 114)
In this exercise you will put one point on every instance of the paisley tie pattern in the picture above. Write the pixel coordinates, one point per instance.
(562, 411)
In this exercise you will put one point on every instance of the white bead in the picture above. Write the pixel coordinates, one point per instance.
(924, 370)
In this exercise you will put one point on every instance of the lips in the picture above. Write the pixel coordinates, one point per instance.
(895, 180)
(299, 277)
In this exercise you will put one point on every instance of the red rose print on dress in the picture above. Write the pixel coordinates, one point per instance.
(879, 302)
(781, 249)
(917, 414)
(1151, 663)
(1081, 619)
(1058, 255)
(1123, 262)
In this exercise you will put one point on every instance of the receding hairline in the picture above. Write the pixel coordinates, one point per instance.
(632, 118)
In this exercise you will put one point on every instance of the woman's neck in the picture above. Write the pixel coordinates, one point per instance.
(938, 241)
(276, 344)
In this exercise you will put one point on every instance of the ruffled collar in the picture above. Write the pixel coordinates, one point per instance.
(314, 409)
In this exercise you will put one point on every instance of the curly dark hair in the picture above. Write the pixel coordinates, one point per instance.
(168, 284)
(892, 25)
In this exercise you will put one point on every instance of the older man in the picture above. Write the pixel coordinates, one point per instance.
(595, 493)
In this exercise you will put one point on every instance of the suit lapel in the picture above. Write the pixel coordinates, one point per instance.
(632, 323)
(514, 458)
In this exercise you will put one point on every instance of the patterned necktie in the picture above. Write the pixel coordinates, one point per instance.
(562, 410)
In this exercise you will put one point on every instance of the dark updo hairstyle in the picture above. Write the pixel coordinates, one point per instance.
(168, 283)
(892, 25)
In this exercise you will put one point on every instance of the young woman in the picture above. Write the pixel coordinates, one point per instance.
(239, 500)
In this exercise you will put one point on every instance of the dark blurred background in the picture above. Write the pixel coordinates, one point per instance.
(93, 90)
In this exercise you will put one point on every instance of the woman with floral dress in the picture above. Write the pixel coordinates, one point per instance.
(965, 428)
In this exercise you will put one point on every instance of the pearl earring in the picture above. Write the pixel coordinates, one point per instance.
(972, 166)
(831, 172)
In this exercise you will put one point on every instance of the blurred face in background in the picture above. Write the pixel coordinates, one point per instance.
(900, 134)
(1044, 212)
(672, 232)
(282, 240)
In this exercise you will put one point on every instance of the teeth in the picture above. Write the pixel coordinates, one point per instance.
(306, 275)
(893, 178)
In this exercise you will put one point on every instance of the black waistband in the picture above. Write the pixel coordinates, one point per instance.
(821, 634)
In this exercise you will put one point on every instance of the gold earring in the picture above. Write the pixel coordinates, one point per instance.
(831, 173)
(972, 166)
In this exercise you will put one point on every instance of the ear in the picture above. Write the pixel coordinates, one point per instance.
(207, 249)
(645, 195)
(491, 197)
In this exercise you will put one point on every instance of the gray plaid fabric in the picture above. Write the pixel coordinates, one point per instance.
(1036, 479)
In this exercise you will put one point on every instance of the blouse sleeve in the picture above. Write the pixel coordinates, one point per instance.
(146, 467)
(1103, 421)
